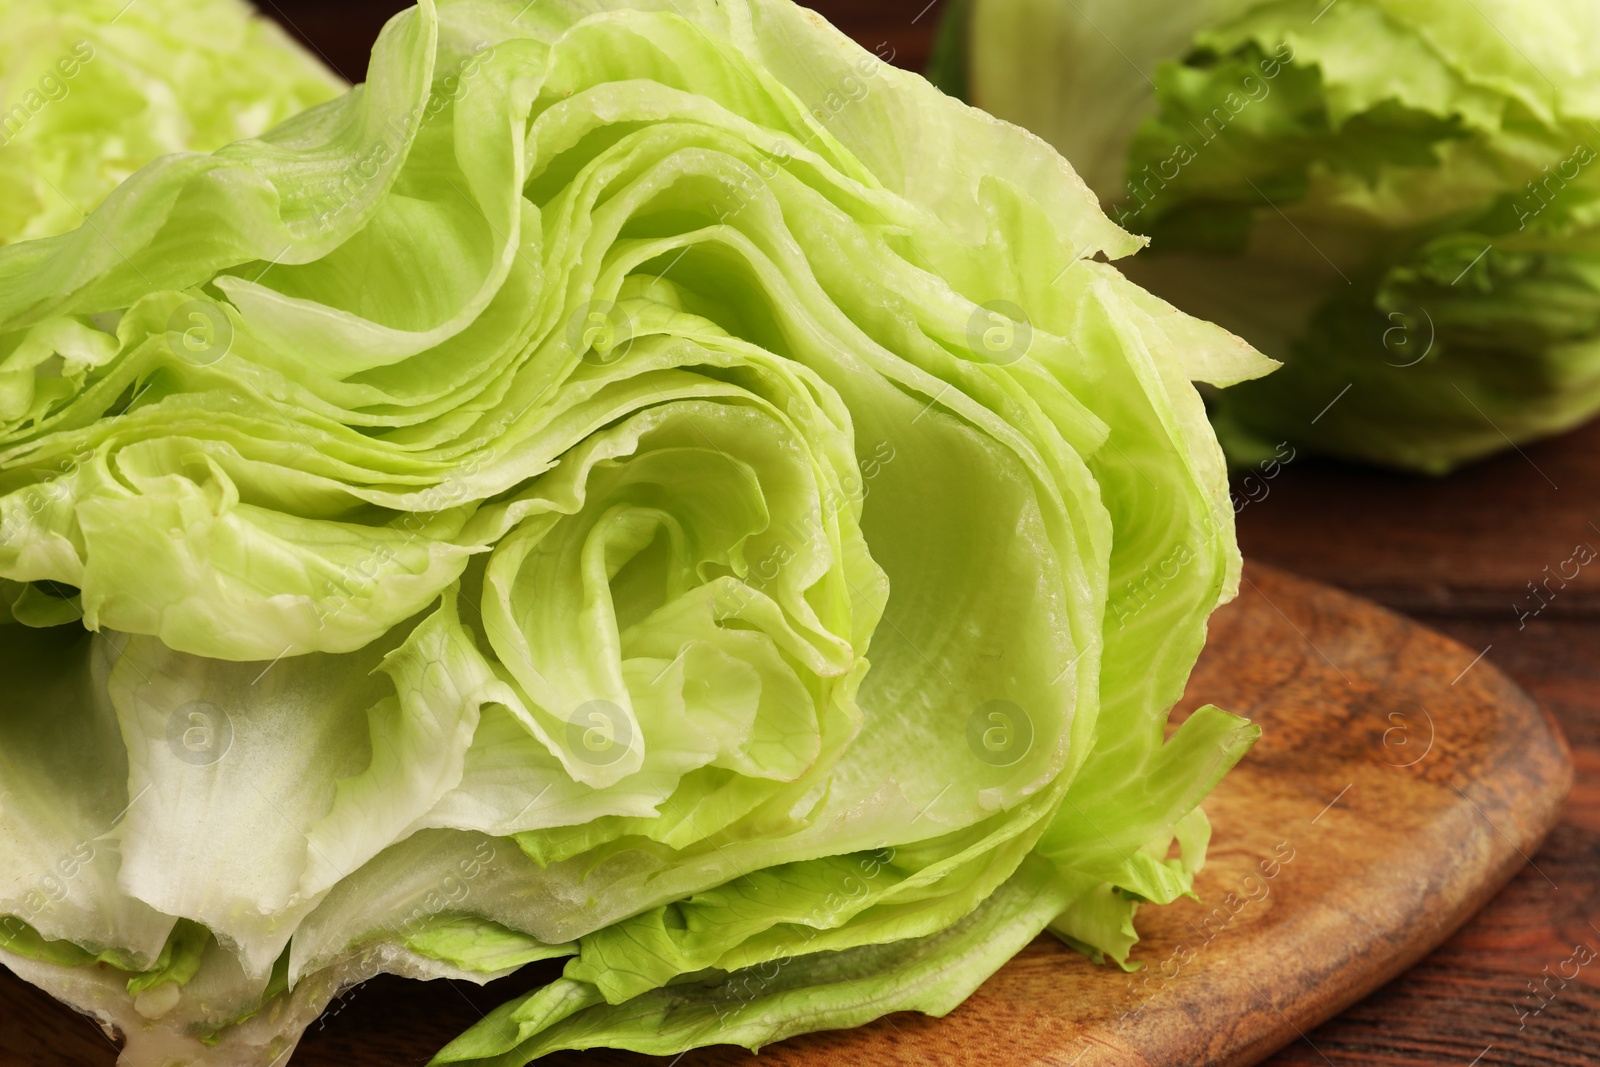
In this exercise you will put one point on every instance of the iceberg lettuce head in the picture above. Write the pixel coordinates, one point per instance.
(94, 89)
(1398, 198)
(643, 485)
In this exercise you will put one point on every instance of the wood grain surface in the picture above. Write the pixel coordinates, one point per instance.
(1458, 554)
(1399, 782)
(1480, 543)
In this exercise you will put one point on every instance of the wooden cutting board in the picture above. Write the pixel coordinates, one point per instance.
(1400, 782)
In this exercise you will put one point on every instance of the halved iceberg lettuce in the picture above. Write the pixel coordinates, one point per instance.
(646, 484)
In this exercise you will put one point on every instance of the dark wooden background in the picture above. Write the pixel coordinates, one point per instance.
(343, 32)
(1459, 555)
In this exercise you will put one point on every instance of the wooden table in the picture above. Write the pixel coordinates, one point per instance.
(1459, 555)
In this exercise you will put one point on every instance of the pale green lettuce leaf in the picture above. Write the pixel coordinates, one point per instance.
(930, 974)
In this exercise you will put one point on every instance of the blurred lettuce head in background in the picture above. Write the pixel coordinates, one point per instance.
(1399, 198)
(644, 486)
(95, 89)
